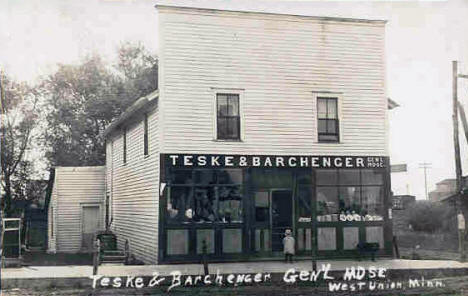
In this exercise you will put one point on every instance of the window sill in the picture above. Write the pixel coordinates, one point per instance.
(179, 224)
(227, 140)
(146, 156)
(325, 142)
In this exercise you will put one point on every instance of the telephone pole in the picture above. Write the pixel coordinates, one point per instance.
(425, 166)
(456, 142)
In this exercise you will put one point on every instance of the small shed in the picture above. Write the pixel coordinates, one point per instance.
(76, 210)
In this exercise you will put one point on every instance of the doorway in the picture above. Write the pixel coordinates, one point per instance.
(281, 217)
(273, 215)
(90, 224)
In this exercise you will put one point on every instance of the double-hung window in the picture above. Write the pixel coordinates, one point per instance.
(228, 116)
(328, 122)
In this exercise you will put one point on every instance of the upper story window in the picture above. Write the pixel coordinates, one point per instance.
(124, 146)
(328, 122)
(145, 136)
(228, 116)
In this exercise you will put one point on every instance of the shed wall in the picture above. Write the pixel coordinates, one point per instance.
(75, 186)
(51, 220)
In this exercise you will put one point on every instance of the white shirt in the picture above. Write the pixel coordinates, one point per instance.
(461, 221)
(288, 243)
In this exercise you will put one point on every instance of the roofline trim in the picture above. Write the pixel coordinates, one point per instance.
(323, 18)
(131, 111)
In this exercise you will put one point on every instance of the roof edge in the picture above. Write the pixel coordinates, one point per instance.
(324, 18)
(131, 111)
(80, 168)
(392, 104)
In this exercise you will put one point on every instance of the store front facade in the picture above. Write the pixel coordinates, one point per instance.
(238, 207)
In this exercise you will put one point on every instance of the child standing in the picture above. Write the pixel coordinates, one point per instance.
(288, 244)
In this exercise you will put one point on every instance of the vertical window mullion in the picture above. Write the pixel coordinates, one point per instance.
(327, 101)
(228, 98)
(217, 116)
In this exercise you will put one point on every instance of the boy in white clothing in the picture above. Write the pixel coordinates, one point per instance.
(288, 244)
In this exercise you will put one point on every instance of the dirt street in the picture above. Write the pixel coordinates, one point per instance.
(452, 286)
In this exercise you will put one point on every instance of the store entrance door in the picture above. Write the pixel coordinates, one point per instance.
(281, 217)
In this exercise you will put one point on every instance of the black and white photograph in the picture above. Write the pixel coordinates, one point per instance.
(216, 147)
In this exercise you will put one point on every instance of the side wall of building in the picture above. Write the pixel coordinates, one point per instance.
(134, 187)
(52, 220)
(76, 187)
(278, 64)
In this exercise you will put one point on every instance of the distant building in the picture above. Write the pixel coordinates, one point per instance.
(402, 202)
(445, 189)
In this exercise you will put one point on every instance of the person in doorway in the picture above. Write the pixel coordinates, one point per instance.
(288, 245)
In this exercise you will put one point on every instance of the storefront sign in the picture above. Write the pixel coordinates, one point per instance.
(267, 161)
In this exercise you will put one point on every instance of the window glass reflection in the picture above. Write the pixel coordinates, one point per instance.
(304, 196)
(372, 177)
(349, 177)
(326, 177)
(358, 196)
(215, 196)
(262, 207)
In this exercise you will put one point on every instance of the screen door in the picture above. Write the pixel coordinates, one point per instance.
(90, 224)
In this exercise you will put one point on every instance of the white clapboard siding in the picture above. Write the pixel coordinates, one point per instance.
(52, 220)
(109, 179)
(134, 187)
(278, 62)
(73, 187)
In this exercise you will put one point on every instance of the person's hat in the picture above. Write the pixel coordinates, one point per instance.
(288, 231)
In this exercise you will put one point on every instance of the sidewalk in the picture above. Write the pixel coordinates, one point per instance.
(56, 276)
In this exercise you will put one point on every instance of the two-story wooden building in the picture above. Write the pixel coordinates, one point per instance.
(262, 122)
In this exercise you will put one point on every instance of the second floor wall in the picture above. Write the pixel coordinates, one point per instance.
(275, 68)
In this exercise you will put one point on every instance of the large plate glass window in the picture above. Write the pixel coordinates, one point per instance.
(228, 116)
(205, 196)
(350, 195)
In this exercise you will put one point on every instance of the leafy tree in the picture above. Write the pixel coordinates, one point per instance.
(67, 112)
(431, 217)
(83, 99)
(19, 112)
(139, 69)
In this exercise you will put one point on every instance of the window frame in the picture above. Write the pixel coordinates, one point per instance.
(329, 95)
(145, 136)
(228, 91)
(360, 184)
(193, 185)
(124, 146)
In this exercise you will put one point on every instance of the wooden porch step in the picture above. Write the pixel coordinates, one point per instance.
(113, 257)
(120, 253)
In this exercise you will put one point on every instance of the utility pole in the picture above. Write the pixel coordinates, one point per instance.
(425, 166)
(456, 142)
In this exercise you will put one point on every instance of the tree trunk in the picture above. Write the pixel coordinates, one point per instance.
(7, 198)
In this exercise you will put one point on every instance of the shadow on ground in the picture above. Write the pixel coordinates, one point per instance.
(41, 258)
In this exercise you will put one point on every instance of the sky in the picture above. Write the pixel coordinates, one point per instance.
(422, 38)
